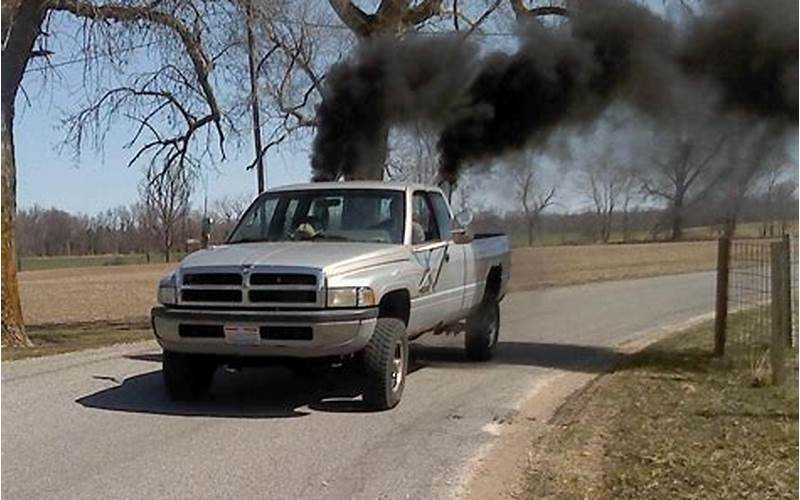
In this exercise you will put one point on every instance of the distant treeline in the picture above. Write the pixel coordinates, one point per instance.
(133, 229)
(759, 214)
(121, 230)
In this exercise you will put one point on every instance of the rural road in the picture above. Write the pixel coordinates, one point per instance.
(98, 424)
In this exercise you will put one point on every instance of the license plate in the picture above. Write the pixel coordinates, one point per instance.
(242, 335)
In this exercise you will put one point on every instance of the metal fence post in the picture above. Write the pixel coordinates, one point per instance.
(778, 309)
(787, 288)
(721, 313)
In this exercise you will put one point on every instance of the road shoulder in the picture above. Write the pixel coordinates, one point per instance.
(499, 469)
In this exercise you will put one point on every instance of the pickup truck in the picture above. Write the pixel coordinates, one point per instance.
(332, 272)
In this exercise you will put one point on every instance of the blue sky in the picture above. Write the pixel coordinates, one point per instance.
(49, 175)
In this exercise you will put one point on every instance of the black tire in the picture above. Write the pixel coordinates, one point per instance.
(385, 364)
(483, 331)
(187, 376)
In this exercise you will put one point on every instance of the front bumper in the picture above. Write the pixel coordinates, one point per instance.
(334, 332)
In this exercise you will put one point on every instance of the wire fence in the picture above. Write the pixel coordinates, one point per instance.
(762, 284)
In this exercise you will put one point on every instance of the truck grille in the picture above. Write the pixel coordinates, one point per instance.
(212, 279)
(261, 286)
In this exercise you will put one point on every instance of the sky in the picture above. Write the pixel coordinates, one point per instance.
(50, 175)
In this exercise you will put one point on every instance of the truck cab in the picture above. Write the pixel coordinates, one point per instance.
(345, 271)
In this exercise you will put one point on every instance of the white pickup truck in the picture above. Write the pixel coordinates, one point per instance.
(347, 271)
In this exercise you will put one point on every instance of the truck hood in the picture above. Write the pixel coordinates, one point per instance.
(331, 257)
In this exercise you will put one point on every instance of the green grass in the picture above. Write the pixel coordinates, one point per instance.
(58, 262)
(673, 422)
(57, 340)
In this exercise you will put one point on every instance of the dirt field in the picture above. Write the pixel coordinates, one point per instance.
(539, 267)
(126, 293)
(90, 294)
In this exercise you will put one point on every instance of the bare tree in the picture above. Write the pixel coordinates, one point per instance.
(171, 104)
(413, 156)
(682, 158)
(601, 182)
(166, 192)
(531, 191)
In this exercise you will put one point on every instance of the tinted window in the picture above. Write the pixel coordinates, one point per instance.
(442, 214)
(423, 224)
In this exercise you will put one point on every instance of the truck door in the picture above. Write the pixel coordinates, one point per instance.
(441, 287)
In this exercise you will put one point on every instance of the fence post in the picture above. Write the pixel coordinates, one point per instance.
(787, 288)
(778, 309)
(721, 313)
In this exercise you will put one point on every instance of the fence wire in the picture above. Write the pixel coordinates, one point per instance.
(749, 295)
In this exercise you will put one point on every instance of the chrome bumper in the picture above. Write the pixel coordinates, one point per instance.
(334, 332)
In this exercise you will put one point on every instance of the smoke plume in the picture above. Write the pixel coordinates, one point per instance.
(611, 52)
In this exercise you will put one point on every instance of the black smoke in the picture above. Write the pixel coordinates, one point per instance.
(386, 83)
(738, 59)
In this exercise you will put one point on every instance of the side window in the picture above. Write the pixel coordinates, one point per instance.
(423, 222)
(442, 214)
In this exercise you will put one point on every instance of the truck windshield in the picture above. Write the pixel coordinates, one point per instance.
(363, 215)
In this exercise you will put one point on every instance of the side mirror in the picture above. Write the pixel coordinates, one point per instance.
(460, 234)
(464, 218)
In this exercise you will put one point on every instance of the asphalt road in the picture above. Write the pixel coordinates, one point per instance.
(98, 424)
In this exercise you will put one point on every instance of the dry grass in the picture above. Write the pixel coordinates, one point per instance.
(126, 293)
(672, 422)
(90, 294)
(539, 267)
(48, 341)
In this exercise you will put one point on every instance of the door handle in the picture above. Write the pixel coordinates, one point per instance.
(447, 256)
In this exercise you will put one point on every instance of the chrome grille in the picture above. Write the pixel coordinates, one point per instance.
(261, 286)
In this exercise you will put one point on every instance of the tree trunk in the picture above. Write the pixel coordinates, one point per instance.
(530, 231)
(21, 25)
(677, 218)
(167, 244)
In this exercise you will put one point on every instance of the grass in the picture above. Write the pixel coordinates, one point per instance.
(63, 261)
(538, 267)
(673, 422)
(519, 237)
(57, 340)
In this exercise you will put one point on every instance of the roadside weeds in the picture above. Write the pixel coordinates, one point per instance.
(670, 421)
(59, 339)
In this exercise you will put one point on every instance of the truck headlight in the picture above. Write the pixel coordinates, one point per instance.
(168, 290)
(351, 297)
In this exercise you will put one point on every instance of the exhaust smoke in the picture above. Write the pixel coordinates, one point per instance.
(612, 52)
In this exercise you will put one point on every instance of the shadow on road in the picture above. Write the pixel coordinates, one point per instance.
(251, 393)
(570, 357)
(276, 392)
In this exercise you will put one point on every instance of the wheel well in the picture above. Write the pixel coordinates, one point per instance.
(396, 304)
(493, 282)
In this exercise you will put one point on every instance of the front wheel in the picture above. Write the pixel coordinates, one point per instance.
(483, 331)
(386, 364)
(187, 376)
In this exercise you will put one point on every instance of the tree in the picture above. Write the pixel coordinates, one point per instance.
(602, 182)
(682, 157)
(414, 157)
(167, 192)
(533, 194)
(155, 100)
(391, 18)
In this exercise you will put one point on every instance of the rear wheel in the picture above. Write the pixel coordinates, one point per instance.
(187, 376)
(386, 364)
(483, 331)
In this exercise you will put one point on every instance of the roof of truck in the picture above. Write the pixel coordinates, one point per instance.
(394, 185)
